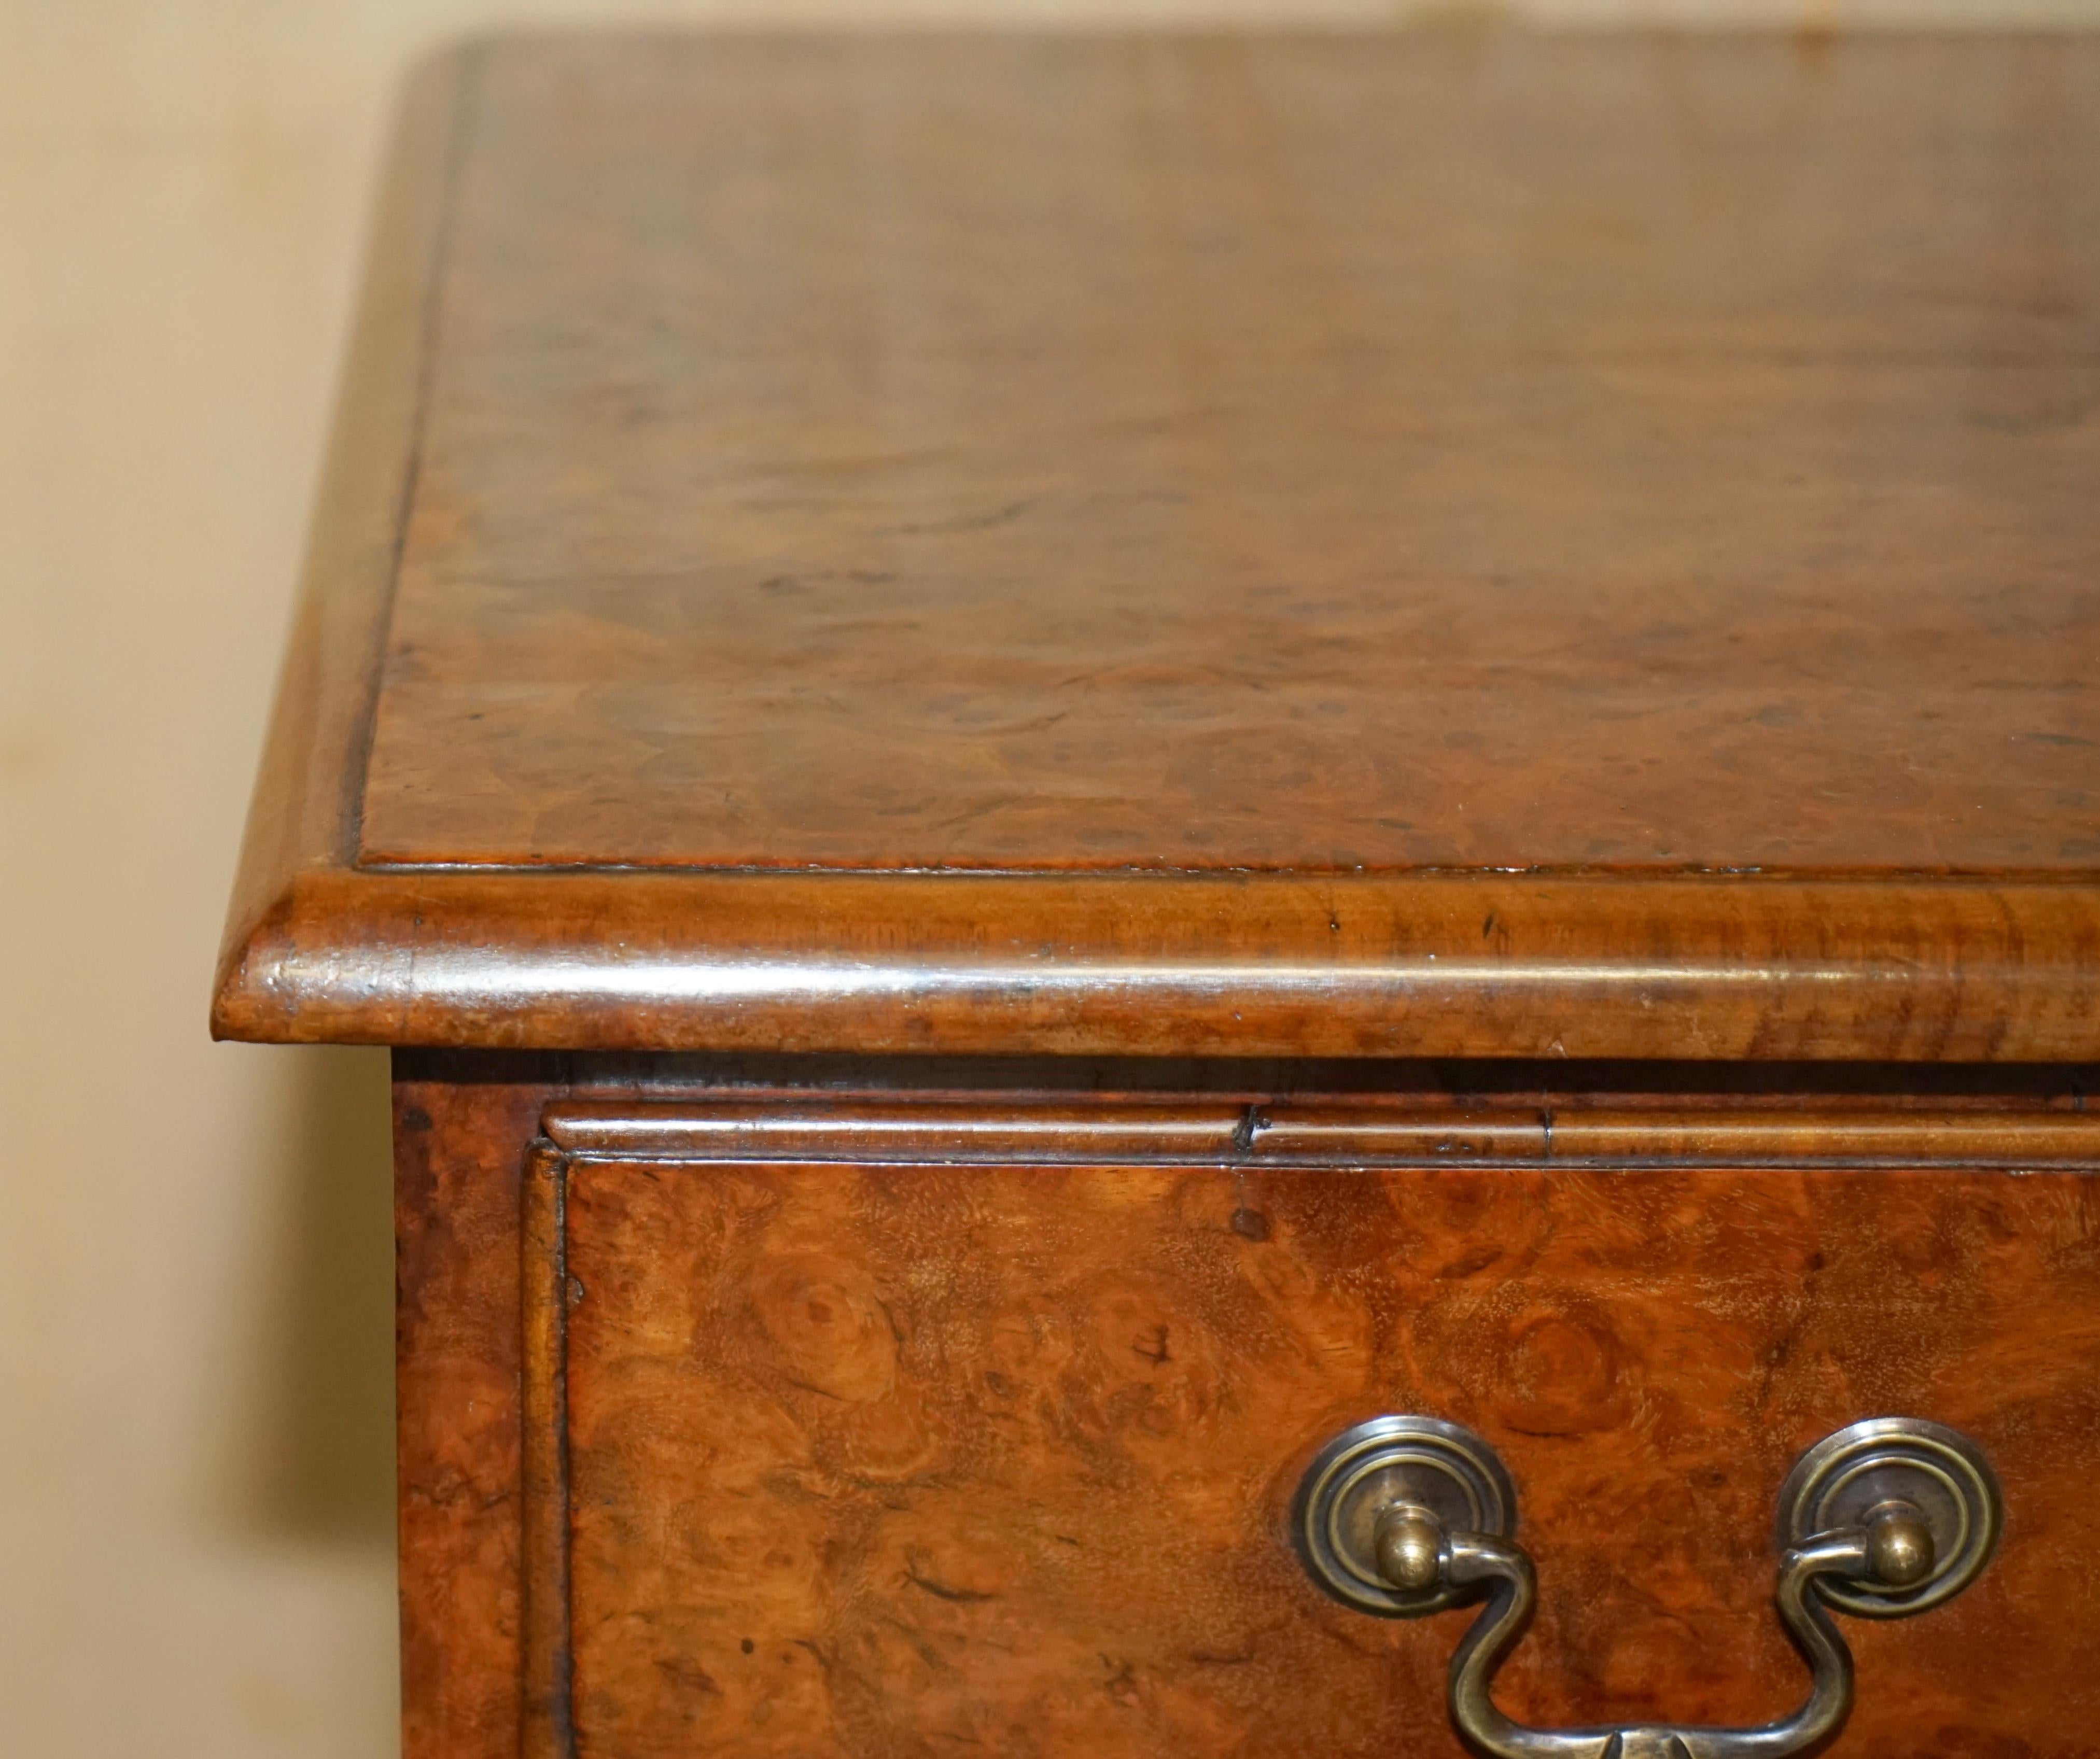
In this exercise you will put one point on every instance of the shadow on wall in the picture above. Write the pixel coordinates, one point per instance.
(327, 1464)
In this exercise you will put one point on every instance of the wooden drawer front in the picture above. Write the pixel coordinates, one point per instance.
(880, 1460)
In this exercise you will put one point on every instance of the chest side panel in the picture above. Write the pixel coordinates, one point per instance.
(458, 1145)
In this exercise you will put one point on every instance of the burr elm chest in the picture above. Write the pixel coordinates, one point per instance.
(1240, 894)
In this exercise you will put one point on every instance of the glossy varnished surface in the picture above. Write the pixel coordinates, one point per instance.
(879, 1460)
(1307, 454)
(1084, 458)
(1166, 965)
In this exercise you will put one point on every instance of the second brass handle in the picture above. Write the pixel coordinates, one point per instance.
(1406, 1516)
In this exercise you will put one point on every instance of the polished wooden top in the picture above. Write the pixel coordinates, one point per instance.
(1319, 454)
(1613, 515)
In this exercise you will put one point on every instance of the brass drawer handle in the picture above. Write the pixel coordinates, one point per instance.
(1404, 1516)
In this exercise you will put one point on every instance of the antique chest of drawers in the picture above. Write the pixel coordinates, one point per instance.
(1202, 863)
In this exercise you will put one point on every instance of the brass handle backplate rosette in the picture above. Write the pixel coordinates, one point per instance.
(1849, 1479)
(1405, 1516)
(1389, 1467)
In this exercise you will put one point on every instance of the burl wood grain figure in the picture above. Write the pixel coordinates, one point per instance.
(1198, 857)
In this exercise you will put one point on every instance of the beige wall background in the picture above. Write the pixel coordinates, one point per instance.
(195, 1262)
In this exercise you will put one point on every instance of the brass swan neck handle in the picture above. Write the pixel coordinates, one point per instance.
(1406, 1516)
(1505, 1571)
